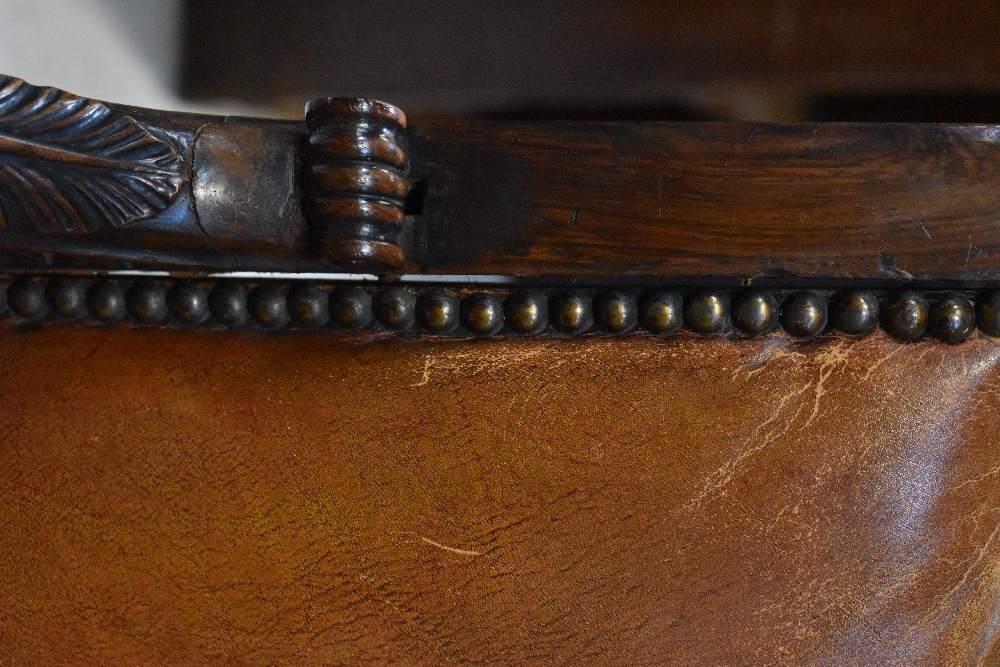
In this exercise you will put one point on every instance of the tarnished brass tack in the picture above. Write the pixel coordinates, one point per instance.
(617, 312)
(804, 314)
(905, 316)
(67, 297)
(106, 301)
(527, 312)
(483, 314)
(146, 300)
(268, 306)
(395, 307)
(707, 312)
(438, 311)
(27, 298)
(572, 313)
(663, 312)
(952, 319)
(309, 306)
(988, 314)
(755, 313)
(351, 307)
(188, 303)
(855, 313)
(228, 304)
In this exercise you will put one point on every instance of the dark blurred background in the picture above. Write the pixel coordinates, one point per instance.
(779, 60)
(786, 60)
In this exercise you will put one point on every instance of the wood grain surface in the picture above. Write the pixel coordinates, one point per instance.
(186, 498)
(356, 188)
(689, 201)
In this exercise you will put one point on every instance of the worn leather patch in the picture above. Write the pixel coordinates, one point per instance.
(193, 498)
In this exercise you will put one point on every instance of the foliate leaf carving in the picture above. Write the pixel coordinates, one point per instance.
(69, 164)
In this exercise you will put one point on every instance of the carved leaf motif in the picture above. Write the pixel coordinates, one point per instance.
(69, 164)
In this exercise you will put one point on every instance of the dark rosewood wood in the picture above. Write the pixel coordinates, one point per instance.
(730, 200)
(356, 181)
(87, 185)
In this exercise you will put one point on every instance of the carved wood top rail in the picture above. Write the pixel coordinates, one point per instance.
(741, 228)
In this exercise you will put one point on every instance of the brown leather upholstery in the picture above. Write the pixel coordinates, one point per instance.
(182, 498)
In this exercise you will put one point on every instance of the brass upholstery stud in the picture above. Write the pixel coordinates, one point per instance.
(663, 312)
(905, 316)
(952, 319)
(228, 304)
(395, 308)
(527, 312)
(438, 311)
(707, 312)
(483, 314)
(618, 312)
(572, 313)
(855, 313)
(988, 313)
(268, 306)
(309, 306)
(351, 307)
(106, 301)
(67, 297)
(755, 313)
(26, 297)
(188, 303)
(146, 300)
(804, 314)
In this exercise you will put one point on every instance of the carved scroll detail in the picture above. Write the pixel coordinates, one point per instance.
(355, 182)
(70, 164)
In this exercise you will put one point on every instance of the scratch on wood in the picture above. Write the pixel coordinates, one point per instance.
(659, 195)
(461, 552)
(887, 265)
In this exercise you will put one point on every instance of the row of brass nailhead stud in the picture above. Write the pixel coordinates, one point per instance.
(950, 317)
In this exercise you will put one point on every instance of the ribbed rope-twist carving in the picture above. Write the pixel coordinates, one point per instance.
(355, 181)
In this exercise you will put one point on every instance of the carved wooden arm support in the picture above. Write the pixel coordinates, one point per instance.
(722, 228)
(89, 184)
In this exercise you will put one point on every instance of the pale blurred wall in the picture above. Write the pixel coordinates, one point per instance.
(125, 51)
